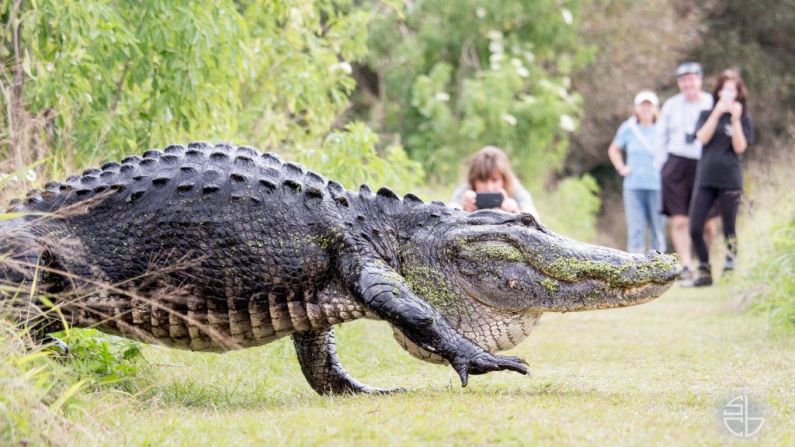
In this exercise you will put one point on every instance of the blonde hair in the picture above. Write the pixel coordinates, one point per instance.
(486, 162)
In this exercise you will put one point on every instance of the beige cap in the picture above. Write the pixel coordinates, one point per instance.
(646, 95)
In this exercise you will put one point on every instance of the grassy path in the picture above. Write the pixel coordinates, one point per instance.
(656, 374)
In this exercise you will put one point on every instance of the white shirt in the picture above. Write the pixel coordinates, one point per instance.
(677, 119)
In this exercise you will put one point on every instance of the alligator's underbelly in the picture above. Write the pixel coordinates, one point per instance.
(202, 324)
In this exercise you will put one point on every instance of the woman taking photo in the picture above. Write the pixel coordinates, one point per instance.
(725, 132)
(642, 200)
(490, 173)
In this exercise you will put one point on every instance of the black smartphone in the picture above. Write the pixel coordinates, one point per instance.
(486, 200)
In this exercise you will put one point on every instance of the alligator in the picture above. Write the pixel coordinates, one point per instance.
(218, 247)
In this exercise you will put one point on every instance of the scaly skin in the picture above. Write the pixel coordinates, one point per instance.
(220, 247)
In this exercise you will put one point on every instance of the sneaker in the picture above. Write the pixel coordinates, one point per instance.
(728, 266)
(704, 276)
(685, 278)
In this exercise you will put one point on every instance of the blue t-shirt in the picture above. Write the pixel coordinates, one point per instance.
(643, 174)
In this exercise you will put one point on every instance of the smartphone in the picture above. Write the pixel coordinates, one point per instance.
(486, 200)
(727, 95)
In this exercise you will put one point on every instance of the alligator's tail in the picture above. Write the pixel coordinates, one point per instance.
(19, 252)
(20, 275)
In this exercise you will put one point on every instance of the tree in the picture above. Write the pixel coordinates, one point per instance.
(97, 79)
(448, 77)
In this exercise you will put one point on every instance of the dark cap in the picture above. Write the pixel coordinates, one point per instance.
(689, 67)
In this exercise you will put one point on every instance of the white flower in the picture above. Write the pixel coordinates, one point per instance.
(495, 47)
(480, 12)
(442, 96)
(516, 62)
(523, 72)
(508, 118)
(529, 56)
(494, 35)
(342, 66)
(530, 99)
(30, 175)
(567, 123)
(495, 66)
(50, 67)
(568, 17)
(495, 58)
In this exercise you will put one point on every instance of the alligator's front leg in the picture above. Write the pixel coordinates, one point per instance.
(385, 292)
(317, 355)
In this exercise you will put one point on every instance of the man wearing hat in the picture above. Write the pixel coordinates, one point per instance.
(682, 151)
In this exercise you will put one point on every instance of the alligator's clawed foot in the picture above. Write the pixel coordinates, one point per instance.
(484, 362)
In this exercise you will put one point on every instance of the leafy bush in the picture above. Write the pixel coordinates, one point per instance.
(449, 77)
(350, 156)
(103, 360)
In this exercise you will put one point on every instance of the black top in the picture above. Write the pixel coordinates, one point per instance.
(720, 167)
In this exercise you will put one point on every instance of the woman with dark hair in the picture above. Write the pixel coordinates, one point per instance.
(725, 132)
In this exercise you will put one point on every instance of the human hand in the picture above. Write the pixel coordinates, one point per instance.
(736, 110)
(468, 201)
(508, 204)
(722, 107)
(624, 171)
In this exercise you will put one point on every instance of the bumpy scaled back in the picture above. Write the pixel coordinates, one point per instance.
(196, 169)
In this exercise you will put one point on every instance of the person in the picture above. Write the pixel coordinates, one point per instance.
(681, 151)
(638, 137)
(725, 133)
(490, 171)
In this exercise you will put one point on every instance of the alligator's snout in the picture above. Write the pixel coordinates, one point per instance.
(617, 268)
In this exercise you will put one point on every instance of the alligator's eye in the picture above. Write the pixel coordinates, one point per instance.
(529, 220)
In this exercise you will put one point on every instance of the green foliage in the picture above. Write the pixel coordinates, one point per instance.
(771, 281)
(108, 78)
(36, 393)
(102, 359)
(571, 208)
(357, 143)
(124, 76)
(454, 76)
(765, 279)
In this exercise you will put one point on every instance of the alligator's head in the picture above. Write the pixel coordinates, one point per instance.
(499, 266)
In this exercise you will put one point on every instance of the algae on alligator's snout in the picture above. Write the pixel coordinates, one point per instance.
(550, 284)
(572, 269)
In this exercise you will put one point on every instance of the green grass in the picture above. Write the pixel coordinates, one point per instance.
(648, 375)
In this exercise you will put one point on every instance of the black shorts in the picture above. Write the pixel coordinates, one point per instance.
(678, 179)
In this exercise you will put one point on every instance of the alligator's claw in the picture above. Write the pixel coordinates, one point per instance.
(484, 362)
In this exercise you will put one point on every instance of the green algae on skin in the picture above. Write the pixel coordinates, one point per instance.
(550, 284)
(429, 284)
(571, 269)
(499, 251)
